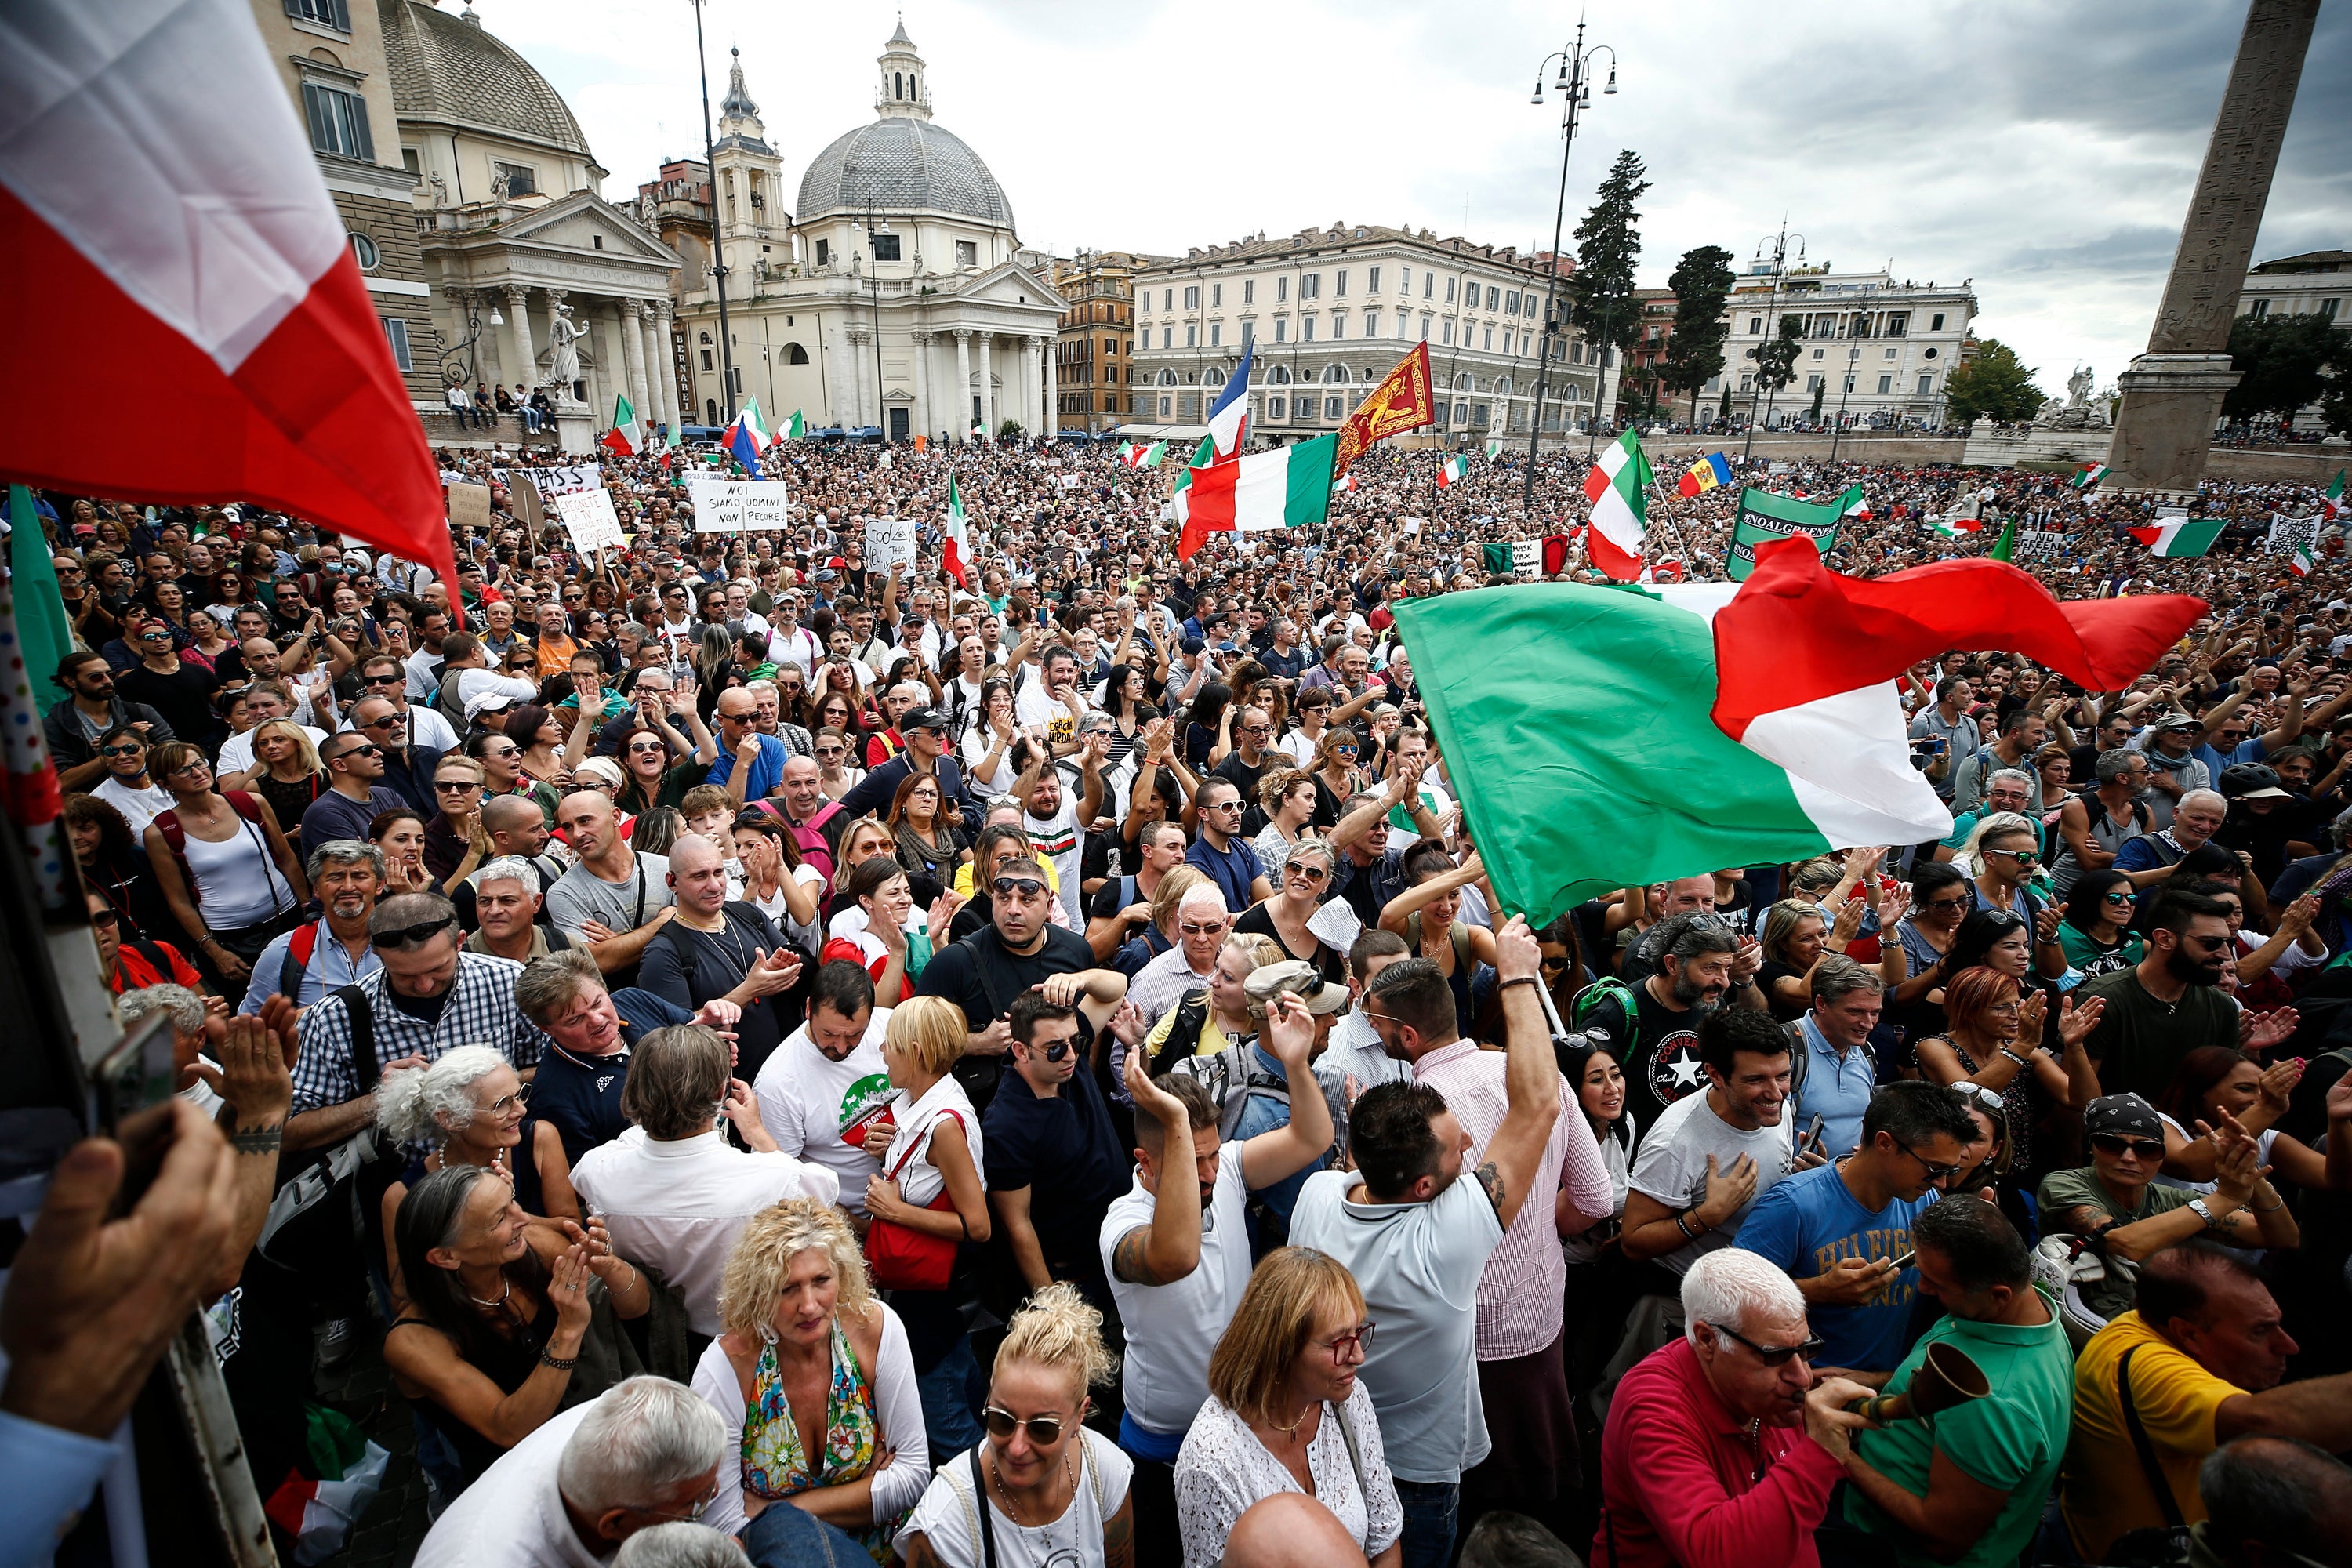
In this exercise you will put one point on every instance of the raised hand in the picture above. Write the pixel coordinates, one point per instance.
(1128, 1025)
(1849, 923)
(2258, 1032)
(2045, 924)
(1727, 1191)
(2031, 1013)
(2075, 1024)
(567, 1291)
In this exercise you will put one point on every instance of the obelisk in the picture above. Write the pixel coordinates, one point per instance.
(2172, 393)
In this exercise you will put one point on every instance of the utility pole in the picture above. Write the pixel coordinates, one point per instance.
(1771, 326)
(718, 242)
(1574, 85)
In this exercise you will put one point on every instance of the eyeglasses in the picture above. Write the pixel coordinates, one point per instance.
(1935, 1172)
(455, 786)
(701, 1506)
(104, 917)
(407, 936)
(1987, 1100)
(1195, 928)
(515, 1101)
(2117, 1145)
(1310, 875)
(1023, 886)
(1056, 1051)
(2023, 857)
(1353, 1346)
(1806, 1350)
(122, 750)
(390, 721)
(2118, 896)
(365, 749)
(1343, 751)
(198, 766)
(828, 750)
(1948, 903)
(1044, 1430)
(646, 748)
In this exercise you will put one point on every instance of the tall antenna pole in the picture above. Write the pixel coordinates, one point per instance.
(717, 245)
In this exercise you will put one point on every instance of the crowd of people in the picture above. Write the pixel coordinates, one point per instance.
(991, 1064)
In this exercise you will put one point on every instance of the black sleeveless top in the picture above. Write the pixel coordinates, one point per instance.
(507, 1361)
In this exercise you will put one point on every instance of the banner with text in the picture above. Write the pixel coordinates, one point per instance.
(734, 505)
(569, 479)
(1765, 517)
(2290, 533)
(588, 515)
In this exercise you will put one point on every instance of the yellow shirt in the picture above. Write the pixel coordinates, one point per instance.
(1213, 1038)
(2103, 1490)
(963, 879)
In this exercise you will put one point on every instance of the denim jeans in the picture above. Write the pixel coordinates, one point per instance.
(1430, 1511)
(949, 1412)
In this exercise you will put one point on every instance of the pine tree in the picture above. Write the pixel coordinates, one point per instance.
(1702, 282)
(1607, 245)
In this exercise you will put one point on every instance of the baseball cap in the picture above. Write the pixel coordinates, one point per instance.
(1300, 978)
(2127, 1115)
(486, 702)
(2180, 722)
(924, 719)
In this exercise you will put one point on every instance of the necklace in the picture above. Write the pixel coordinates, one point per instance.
(1292, 1430)
(1013, 1511)
(506, 1289)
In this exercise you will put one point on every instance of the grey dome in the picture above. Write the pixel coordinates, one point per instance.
(449, 69)
(902, 164)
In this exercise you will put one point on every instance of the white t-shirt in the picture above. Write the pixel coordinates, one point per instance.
(1058, 839)
(1418, 1266)
(236, 752)
(807, 936)
(1057, 721)
(138, 806)
(1172, 1328)
(1670, 1167)
(948, 1514)
(513, 1517)
(807, 1101)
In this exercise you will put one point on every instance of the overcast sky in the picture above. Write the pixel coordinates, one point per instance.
(2045, 152)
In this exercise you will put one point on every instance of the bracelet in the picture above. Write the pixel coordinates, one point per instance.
(1521, 980)
(561, 1363)
(1689, 1234)
(2012, 1056)
(2272, 1209)
(2197, 1206)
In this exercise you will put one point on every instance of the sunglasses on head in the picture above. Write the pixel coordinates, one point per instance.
(1044, 1430)
(407, 936)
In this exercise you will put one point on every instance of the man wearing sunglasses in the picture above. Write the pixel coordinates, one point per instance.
(1055, 1164)
(1837, 1229)
(2170, 1003)
(354, 795)
(73, 727)
(381, 674)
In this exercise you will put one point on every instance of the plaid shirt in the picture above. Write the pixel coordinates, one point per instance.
(480, 1011)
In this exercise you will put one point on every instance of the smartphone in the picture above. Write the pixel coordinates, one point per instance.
(1903, 1262)
(1813, 1131)
(136, 1076)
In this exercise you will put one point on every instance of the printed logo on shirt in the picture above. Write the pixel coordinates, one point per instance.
(1674, 1070)
(866, 1107)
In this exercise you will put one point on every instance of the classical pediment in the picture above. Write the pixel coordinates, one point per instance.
(578, 222)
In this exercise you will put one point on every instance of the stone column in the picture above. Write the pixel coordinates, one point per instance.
(605, 379)
(836, 373)
(654, 352)
(1047, 347)
(961, 423)
(524, 363)
(861, 354)
(2172, 393)
(633, 358)
(920, 419)
(988, 420)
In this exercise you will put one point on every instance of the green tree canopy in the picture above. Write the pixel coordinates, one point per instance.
(1775, 361)
(1702, 282)
(2283, 363)
(1607, 245)
(1995, 383)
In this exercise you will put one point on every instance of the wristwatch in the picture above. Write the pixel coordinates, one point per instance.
(2197, 1206)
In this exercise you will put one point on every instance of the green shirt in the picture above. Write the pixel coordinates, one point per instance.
(2093, 960)
(2111, 1297)
(2139, 1041)
(2012, 1441)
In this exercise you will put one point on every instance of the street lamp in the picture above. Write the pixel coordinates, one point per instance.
(1780, 245)
(718, 242)
(1853, 368)
(1574, 86)
(876, 225)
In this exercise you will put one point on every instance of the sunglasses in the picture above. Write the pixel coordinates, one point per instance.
(122, 750)
(1987, 1099)
(1056, 1051)
(454, 787)
(407, 936)
(104, 917)
(2117, 1145)
(1811, 1348)
(361, 751)
(1310, 875)
(2118, 897)
(645, 748)
(1044, 1430)
(1026, 886)
(1948, 903)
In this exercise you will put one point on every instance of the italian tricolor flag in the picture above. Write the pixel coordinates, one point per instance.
(2300, 562)
(1780, 691)
(2180, 536)
(320, 1512)
(1179, 502)
(626, 435)
(1136, 457)
(1619, 491)
(955, 550)
(2334, 499)
(1453, 471)
(1494, 451)
(1958, 527)
(1289, 487)
(794, 428)
(2091, 474)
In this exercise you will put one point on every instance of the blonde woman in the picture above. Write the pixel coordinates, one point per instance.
(286, 772)
(1287, 1413)
(1222, 1008)
(931, 1182)
(1287, 797)
(812, 1376)
(1043, 1488)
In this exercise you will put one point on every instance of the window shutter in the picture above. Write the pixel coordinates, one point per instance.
(342, 14)
(314, 109)
(365, 150)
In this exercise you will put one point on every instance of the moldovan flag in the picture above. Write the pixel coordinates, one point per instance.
(1778, 691)
(1453, 471)
(626, 434)
(158, 199)
(955, 551)
(2180, 536)
(1619, 489)
(1709, 471)
(1289, 487)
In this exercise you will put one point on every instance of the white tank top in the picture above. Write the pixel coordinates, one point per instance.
(235, 884)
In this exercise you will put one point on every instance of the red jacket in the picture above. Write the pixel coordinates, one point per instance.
(1678, 1478)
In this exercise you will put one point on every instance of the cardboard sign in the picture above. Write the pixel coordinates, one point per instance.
(736, 506)
(589, 517)
(2045, 546)
(469, 506)
(890, 541)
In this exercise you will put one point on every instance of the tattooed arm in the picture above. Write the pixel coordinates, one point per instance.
(1530, 1076)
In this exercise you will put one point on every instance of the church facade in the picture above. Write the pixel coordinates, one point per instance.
(894, 297)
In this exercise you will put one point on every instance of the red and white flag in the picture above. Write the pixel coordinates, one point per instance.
(158, 200)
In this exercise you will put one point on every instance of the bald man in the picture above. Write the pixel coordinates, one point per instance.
(615, 900)
(717, 949)
(1290, 1529)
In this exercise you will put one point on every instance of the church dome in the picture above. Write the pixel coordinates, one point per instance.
(445, 67)
(902, 164)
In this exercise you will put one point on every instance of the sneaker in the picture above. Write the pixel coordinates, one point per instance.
(338, 1343)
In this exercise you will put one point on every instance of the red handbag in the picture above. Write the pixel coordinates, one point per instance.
(901, 1258)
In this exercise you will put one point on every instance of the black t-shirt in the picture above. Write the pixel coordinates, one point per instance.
(1258, 921)
(184, 699)
(1661, 1064)
(981, 976)
(1062, 1149)
(687, 968)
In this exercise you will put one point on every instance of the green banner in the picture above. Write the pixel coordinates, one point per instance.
(1765, 517)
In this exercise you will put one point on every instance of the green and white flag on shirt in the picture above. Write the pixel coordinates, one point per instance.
(2180, 536)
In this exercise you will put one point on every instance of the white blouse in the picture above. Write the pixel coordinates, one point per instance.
(1223, 1468)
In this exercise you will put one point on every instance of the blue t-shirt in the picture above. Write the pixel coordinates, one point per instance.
(1837, 1085)
(1233, 871)
(1806, 1224)
(2146, 853)
(581, 1096)
(767, 768)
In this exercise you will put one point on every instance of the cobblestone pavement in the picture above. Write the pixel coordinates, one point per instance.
(394, 1524)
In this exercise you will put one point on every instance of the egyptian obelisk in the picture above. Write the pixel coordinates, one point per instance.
(2172, 393)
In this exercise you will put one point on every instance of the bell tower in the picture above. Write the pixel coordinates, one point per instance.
(903, 92)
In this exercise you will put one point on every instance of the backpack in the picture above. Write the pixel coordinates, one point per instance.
(1184, 1034)
(1231, 1077)
(301, 944)
(175, 837)
(344, 1187)
(1801, 1062)
(808, 837)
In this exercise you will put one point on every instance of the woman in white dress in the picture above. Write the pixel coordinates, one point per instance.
(1048, 1492)
(1287, 1414)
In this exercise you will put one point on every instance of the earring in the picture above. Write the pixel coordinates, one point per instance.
(767, 1333)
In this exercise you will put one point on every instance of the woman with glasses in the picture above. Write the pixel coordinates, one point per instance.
(837, 772)
(1306, 878)
(127, 786)
(1795, 938)
(549, 754)
(1206, 1022)
(210, 643)
(1337, 778)
(1985, 1160)
(812, 1377)
(1993, 1038)
(1941, 900)
(1045, 1488)
(1288, 797)
(1302, 744)
(652, 774)
(2097, 933)
(469, 1108)
(1287, 1413)
(776, 881)
(224, 869)
(928, 846)
(793, 707)
(230, 592)
(506, 1322)
(114, 868)
(400, 834)
(501, 763)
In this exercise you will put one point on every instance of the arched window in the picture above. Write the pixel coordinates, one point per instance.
(710, 411)
(1461, 382)
(898, 85)
(795, 354)
(1503, 386)
(1281, 377)
(705, 340)
(1333, 375)
(1167, 378)
(1213, 378)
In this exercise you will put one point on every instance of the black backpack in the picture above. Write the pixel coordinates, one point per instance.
(338, 1197)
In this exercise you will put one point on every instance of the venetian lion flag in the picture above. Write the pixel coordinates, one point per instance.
(955, 550)
(626, 437)
(2180, 536)
(1619, 491)
(158, 199)
(1778, 691)
(1289, 487)
(1401, 402)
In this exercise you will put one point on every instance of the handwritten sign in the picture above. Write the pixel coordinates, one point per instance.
(470, 505)
(588, 515)
(890, 541)
(737, 506)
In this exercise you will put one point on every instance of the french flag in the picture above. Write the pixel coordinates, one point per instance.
(745, 440)
(158, 199)
(1229, 415)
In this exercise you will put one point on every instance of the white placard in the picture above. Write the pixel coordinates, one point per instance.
(735, 506)
(2042, 546)
(890, 541)
(589, 518)
(552, 483)
(2288, 533)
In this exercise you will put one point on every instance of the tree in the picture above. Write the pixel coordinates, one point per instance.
(1608, 244)
(1775, 361)
(1723, 408)
(2283, 363)
(1993, 385)
(1820, 390)
(1702, 282)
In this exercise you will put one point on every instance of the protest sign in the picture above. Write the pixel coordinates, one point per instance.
(589, 517)
(733, 506)
(2040, 546)
(1765, 517)
(469, 506)
(2292, 533)
(890, 541)
(569, 479)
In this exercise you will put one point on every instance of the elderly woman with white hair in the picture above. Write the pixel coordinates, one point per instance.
(812, 1376)
(1708, 1459)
